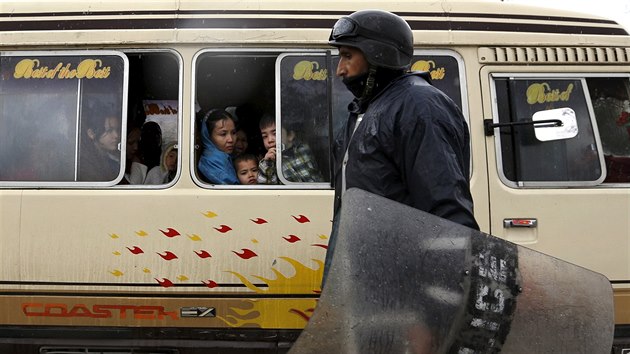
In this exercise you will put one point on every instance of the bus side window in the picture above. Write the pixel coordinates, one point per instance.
(61, 118)
(153, 118)
(524, 158)
(611, 102)
(241, 83)
(304, 119)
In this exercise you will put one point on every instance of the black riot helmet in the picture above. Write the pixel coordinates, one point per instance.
(384, 38)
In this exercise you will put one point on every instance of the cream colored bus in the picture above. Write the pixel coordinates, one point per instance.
(109, 264)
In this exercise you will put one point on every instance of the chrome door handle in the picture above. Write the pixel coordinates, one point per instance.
(520, 222)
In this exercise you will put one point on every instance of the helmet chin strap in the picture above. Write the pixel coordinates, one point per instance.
(369, 82)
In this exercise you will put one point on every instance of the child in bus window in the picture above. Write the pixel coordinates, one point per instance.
(246, 166)
(298, 163)
(167, 169)
(267, 165)
(218, 134)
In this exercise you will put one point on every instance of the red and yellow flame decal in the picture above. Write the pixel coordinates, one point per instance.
(267, 314)
(159, 255)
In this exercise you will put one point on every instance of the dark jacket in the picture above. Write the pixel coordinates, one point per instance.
(412, 146)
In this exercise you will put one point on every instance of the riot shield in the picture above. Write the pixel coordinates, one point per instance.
(405, 281)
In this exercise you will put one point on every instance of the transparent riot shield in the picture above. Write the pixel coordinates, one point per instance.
(405, 281)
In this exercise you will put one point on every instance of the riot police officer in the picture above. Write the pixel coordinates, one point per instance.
(404, 139)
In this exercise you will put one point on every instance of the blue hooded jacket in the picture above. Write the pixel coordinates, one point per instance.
(215, 165)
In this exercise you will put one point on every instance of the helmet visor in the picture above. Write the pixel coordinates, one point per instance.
(345, 27)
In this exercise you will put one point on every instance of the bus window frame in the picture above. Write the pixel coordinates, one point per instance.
(123, 128)
(327, 54)
(497, 141)
(277, 52)
(605, 184)
(463, 89)
(280, 52)
(180, 119)
(461, 66)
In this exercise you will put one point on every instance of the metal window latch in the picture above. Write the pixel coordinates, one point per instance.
(489, 125)
(520, 222)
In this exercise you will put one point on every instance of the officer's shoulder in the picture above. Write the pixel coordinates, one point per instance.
(416, 87)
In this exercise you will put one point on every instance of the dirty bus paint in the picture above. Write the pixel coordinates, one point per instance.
(84, 230)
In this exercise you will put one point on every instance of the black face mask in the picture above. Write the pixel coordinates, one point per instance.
(356, 84)
(381, 76)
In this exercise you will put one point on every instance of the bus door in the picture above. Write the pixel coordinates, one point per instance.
(562, 194)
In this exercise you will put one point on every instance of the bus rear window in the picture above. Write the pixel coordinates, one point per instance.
(526, 160)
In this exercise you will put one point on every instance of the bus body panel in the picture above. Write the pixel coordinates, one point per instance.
(192, 255)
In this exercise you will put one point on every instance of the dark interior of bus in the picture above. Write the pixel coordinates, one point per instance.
(152, 76)
(243, 81)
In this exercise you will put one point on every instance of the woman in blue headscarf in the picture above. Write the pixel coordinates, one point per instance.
(218, 134)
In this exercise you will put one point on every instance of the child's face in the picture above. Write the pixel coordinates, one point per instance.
(247, 171)
(269, 136)
(171, 160)
(241, 143)
(223, 135)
